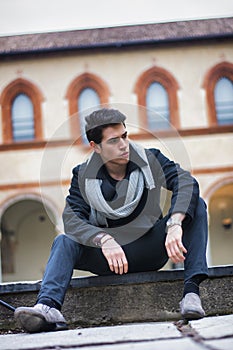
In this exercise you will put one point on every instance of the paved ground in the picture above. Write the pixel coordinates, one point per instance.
(213, 333)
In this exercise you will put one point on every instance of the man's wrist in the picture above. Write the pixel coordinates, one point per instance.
(97, 239)
(172, 225)
(106, 239)
(101, 238)
(175, 220)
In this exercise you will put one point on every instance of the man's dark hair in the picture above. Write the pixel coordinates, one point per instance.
(99, 120)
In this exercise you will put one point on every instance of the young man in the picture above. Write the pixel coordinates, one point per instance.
(114, 224)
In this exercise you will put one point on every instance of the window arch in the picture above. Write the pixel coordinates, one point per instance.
(86, 91)
(218, 84)
(157, 100)
(22, 116)
(156, 90)
(18, 98)
(223, 96)
(87, 99)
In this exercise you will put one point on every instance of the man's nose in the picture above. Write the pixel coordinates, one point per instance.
(123, 142)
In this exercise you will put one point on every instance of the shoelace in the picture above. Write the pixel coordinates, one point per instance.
(46, 308)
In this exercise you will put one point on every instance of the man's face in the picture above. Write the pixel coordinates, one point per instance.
(114, 147)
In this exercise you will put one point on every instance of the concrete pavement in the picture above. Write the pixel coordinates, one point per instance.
(214, 333)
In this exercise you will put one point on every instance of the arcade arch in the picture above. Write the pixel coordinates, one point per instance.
(220, 204)
(28, 228)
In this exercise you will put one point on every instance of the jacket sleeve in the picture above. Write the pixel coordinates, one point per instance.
(76, 214)
(184, 187)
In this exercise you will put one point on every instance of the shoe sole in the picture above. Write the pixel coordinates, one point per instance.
(192, 315)
(35, 323)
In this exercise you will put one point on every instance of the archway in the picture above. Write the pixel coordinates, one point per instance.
(221, 225)
(27, 235)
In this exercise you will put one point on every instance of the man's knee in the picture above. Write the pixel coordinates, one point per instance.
(201, 210)
(64, 241)
(199, 220)
(67, 247)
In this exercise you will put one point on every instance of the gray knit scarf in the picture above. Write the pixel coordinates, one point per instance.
(101, 210)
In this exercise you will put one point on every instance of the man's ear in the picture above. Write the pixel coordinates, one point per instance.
(96, 148)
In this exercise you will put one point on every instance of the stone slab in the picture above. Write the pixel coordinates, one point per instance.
(221, 344)
(174, 344)
(214, 327)
(91, 336)
(146, 336)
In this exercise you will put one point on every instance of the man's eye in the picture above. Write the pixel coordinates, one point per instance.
(114, 141)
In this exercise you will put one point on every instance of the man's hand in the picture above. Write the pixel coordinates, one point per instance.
(115, 256)
(174, 245)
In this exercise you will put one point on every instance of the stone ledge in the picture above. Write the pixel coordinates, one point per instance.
(132, 278)
(137, 297)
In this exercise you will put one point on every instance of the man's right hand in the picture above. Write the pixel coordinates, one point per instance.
(115, 256)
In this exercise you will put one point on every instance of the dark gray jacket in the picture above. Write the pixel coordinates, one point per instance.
(167, 174)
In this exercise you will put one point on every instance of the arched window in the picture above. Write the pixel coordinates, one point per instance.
(21, 112)
(156, 90)
(223, 95)
(218, 83)
(22, 118)
(157, 104)
(87, 100)
(85, 92)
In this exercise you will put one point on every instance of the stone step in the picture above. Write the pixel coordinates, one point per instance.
(136, 297)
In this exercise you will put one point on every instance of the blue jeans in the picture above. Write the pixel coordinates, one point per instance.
(147, 253)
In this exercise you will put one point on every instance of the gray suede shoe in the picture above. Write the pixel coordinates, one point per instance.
(191, 308)
(40, 318)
